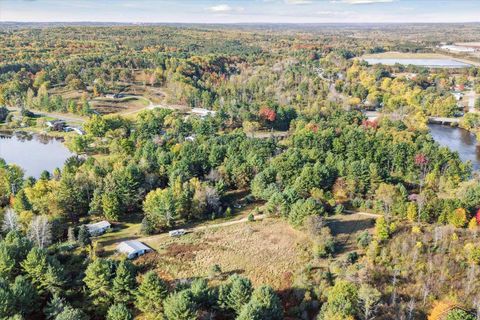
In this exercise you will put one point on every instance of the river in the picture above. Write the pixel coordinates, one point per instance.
(34, 153)
(457, 139)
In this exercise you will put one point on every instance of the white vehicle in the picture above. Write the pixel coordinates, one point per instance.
(177, 233)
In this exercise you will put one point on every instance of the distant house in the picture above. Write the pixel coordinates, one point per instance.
(202, 112)
(96, 229)
(56, 125)
(133, 248)
(458, 95)
(78, 131)
(190, 138)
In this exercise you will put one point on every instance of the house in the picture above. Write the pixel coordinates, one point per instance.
(458, 95)
(78, 131)
(202, 113)
(96, 229)
(190, 138)
(133, 248)
(56, 125)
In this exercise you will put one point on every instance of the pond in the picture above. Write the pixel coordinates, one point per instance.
(430, 63)
(459, 140)
(34, 153)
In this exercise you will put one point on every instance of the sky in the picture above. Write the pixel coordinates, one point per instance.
(241, 11)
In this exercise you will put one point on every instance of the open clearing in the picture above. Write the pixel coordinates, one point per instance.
(415, 56)
(267, 251)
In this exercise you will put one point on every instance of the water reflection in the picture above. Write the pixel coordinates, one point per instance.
(34, 153)
(459, 140)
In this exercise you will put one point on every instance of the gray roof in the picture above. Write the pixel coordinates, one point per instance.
(99, 225)
(131, 246)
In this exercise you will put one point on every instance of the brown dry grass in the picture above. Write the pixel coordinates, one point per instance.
(267, 252)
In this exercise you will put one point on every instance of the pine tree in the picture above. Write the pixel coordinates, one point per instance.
(200, 292)
(18, 245)
(25, 295)
(43, 272)
(264, 304)
(239, 293)
(7, 263)
(83, 236)
(180, 306)
(381, 229)
(70, 313)
(6, 300)
(124, 283)
(98, 279)
(20, 202)
(119, 312)
(151, 294)
(54, 307)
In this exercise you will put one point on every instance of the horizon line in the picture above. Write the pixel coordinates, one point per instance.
(244, 23)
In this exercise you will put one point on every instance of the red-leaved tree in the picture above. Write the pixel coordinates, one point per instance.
(267, 114)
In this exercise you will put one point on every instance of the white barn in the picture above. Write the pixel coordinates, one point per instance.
(96, 229)
(133, 248)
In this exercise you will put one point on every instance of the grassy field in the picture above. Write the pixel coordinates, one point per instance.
(268, 251)
(406, 55)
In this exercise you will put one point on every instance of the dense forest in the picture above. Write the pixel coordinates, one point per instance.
(287, 133)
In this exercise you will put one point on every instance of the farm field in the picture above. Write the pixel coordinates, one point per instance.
(417, 56)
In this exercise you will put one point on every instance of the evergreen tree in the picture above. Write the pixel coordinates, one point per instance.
(124, 283)
(264, 304)
(18, 245)
(54, 307)
(151, 294)
(6, 299)
(119, 312)
(200, 292)
(83, 236)
(239, 293)
(70, 313)
(342, 301)
(98, 279)
(7, 263)
(25, 295)
(180, 306)
(43, 272)
(20, 202)
(381, 229)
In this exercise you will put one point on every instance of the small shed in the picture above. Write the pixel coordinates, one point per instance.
(96, 229)
(133, 248)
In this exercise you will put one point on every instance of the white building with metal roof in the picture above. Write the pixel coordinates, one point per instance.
(96, 229)
(133, 248)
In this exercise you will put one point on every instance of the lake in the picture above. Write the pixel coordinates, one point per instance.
(34, 153)
(430, 63)
(457, 139)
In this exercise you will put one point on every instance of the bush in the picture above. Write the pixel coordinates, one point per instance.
(352, 257)
(3, 114)
(364, 239)
(146, 227)
(324, 244)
